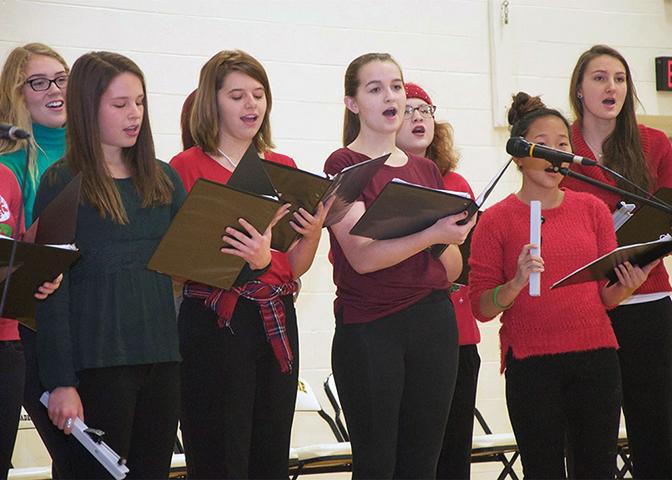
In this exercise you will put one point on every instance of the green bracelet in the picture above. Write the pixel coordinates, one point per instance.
(494, 299)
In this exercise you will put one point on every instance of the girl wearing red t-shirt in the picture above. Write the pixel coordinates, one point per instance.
(558, 349)
(394, 354)
(240, 347)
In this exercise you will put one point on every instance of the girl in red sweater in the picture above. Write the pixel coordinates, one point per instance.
(603, 97)
(558, 350)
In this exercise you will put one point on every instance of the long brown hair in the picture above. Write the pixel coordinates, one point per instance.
(351, 124)
(91, 76)
(205, 113)
(622, 148)
(13, 108)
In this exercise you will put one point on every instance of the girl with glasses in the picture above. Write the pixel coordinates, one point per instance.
(107, 339)
(394, 354)
(240, 347)
(603, 99)
(27, 104)
(421, 135)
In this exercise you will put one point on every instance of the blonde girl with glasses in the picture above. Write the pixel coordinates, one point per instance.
(33, 86)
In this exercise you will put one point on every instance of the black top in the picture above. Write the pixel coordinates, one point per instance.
(110, 309)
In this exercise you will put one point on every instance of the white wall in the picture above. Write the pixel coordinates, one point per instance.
(306, 45)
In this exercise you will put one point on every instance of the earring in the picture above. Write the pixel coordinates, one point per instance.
(580, 95)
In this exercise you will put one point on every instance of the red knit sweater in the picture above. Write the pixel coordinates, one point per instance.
(566, 319)
(658, 153)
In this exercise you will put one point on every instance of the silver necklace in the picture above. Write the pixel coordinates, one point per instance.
(600, 155)
(231, 161)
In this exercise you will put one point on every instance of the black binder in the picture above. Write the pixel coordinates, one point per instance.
(191, 248)
(43, 254)
(302, 189)
(603, 268)
(403, 208)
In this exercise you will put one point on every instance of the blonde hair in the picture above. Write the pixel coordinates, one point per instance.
(13, 108)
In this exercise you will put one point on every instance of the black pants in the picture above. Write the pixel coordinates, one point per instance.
(644, 332)
(56, 442)
(137, 407)
(395, 378)
(455, 459)
(237, 405)
(12, 374)
(573, 397)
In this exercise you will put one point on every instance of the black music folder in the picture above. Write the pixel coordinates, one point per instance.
(603, 268)
(647, 223)
(45, 252)
(404, 208)
(303, 189)
(191, 248)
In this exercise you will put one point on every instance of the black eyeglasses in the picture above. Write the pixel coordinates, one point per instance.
(44, 84)
(426, 111)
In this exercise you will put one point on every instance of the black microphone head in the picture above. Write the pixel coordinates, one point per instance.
(21, 134)
(518, 147)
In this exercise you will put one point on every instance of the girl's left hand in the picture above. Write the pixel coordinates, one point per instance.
(310, 226)
(632, 277)
(47, 288)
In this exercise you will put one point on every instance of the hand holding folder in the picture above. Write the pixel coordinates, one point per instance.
(44, 253)
(302, 189)
(640, 255)
(191, 248)
(403, 208)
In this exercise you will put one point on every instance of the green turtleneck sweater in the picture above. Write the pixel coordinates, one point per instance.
(52, 147)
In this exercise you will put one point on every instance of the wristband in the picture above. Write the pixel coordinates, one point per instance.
(494, 299)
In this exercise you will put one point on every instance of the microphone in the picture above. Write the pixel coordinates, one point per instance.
(520, 148)
(10, 132)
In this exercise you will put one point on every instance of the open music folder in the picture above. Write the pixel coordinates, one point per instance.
(191, 248)
(647, 223)
(603, 268)
(45, 252)
(403, 208)
(303, 189)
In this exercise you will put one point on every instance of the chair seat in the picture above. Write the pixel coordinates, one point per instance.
(323, 451)
(493, 443)
(30, 473)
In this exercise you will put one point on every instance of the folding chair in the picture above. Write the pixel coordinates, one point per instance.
(319, 458)
(493, 447)
(624, 454)
(332, 395)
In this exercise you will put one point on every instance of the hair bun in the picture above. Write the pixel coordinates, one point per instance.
(522, 105)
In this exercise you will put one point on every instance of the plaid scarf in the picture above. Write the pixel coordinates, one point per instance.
(272, 310)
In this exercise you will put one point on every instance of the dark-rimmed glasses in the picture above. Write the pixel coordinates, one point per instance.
(426, 111)
(44, 84)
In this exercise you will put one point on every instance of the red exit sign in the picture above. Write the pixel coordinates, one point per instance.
(663, 73)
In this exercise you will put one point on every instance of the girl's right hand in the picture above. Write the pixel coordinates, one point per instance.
(448, 230)
(527, 264)
(254, 247)
(64, 406)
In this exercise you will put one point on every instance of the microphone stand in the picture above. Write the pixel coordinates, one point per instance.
(630, 196)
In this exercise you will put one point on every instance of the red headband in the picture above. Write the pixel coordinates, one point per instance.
(414, 91)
